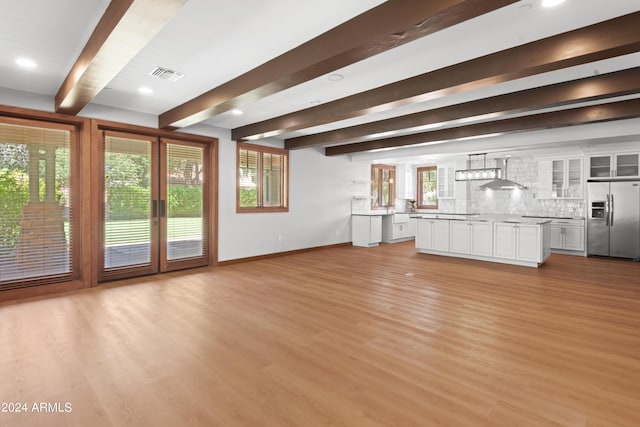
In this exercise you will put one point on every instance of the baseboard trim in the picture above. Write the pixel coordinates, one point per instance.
(16, 295)
(279, 254)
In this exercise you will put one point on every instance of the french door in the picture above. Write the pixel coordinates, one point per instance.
(155, 205)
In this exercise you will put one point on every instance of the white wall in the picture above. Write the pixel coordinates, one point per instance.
(21, 99)
(320, 193)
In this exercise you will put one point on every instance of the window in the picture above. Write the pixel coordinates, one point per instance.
(263, 179)
(37, 224)
(383, 186)
(427, 188)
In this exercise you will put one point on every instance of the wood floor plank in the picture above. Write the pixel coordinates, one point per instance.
(342, 336)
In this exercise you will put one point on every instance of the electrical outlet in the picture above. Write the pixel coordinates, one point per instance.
(337, 233)
(280, 238)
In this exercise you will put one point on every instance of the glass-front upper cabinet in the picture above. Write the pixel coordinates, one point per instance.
(560, 178)
(614, 165)
(627, 165)
(600, 167)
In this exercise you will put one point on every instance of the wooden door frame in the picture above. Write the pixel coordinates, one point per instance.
(126, 272)
(97, 127)
(165, 264)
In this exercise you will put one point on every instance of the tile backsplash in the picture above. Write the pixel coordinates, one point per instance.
(520, 202)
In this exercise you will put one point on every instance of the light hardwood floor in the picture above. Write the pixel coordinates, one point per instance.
(344, 337)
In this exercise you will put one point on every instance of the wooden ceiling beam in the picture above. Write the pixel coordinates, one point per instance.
(587, 89)
(576, 116)
(123, 31)
(384, 27)
(608, 39)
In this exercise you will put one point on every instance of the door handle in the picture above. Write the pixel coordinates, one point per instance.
(612, 210)
(154, 208)
(606, 211)
(163, 208)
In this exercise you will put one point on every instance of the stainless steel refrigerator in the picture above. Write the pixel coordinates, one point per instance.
(613, 220)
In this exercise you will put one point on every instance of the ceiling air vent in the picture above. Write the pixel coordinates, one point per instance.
(166, 74)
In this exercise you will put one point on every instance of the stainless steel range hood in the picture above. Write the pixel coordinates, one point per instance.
(502, 183)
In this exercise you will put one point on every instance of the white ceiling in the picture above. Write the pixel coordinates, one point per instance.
(212, 42)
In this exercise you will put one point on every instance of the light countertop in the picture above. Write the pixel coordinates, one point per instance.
(488, 218)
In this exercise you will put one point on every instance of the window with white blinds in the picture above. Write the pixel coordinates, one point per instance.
(36, 215)
(262, 179)
(186, 225)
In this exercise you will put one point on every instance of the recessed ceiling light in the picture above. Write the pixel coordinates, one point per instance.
(551, 3)
(335, 77)
(26, 63)
(237, 112)
(145, 90)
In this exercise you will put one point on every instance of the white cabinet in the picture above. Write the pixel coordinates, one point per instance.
(433, 234)
(397, 228)
(560, 179)
(460, 237)
(617, 165)
(574, 238)
(482, 238)
(521, 241)
(504, 240)
(446, 182)
(366, 230)
(527, 242)
(567, 235)
(471, 237)
(511, 242)
(557, 237)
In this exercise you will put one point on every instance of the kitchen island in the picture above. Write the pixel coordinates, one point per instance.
(496, 238)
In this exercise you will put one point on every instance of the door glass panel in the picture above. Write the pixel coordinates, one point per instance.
(127, 203)
(35, 205)
(185, 215)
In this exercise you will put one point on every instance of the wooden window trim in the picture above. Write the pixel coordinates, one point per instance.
(79, 172)
(419, 194)
(392, 186)
(284, 185)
